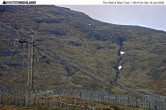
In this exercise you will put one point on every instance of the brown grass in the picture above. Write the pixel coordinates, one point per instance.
(14, 107)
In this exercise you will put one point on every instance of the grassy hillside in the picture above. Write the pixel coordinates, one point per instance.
(82, 51)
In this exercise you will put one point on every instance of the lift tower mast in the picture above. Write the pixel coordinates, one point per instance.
(31, 46)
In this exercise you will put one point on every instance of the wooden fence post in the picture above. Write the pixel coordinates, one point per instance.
(80, 95)
(0, 96)
(36, 97)
(60, 104)
(27, 98)
(149, 104)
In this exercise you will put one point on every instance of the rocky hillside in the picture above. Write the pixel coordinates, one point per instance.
(82, 52)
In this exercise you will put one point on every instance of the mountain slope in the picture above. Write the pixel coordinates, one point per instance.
(83, 52)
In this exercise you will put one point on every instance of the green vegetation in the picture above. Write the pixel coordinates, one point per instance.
(79, 51)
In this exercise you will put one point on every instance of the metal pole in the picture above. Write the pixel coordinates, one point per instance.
(30, 62)
(29, 57)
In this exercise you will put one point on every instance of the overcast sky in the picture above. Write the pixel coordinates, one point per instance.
(142, 15)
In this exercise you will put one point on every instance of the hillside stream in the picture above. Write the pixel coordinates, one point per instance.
(118, 66)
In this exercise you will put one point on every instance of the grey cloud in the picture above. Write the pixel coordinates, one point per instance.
(143, 15)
